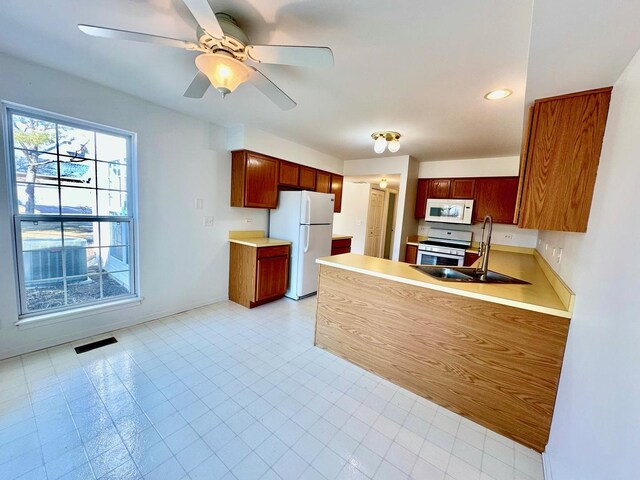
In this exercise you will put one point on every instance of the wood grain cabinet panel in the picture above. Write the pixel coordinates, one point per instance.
(323, 182)
(421, 198)
(561, 163)
(411, 254)
(463, 188)
(340, 246)
(470, 259)
(307, 178)
(254, 180)
(336, 189)
(440, 188)
(257, 275)
(495, 196)
(289, 174)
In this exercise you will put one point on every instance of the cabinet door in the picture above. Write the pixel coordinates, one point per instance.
(323, 182)
(411, 254)
(470, 259)
(496, 196)
(289, 174)
(271, 277)
(260, 181)
(421, 198)
(307, 178)
(463, 187)
(440, 188)
(336, 188)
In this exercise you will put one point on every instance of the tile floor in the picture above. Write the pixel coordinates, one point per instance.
(225, 392)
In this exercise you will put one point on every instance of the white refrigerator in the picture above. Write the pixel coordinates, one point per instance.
(306, 220)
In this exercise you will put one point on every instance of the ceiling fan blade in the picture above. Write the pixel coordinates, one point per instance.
(321, 57)
(105, 32)
(199, 86)
(203, 14)
(271, 90)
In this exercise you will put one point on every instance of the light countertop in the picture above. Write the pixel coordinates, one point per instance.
(259, 242)
(540, 296)
(415, 239)
(341, 237)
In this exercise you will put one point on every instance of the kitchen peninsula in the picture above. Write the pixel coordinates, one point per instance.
(491, 353)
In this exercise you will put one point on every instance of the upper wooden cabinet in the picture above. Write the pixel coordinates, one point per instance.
(336, 189)
(254, 180)
(289, 174)
(421, 198)
(440, 188)
(495, 196)
(307, 178)
(561, 152)
(463, 188)
(323, 182)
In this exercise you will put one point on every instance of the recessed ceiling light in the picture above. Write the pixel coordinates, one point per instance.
(498, 94)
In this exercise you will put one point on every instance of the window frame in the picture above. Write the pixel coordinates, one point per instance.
(8, 110)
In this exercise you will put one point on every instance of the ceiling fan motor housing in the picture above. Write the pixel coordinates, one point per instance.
(233, 42)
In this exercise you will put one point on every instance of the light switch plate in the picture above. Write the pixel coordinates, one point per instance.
(199, 203)
(207, 221)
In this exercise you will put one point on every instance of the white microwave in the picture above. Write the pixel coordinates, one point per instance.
(449, 211)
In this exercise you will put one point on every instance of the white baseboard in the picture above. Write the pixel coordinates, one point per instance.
(98, 330)
(546, 466)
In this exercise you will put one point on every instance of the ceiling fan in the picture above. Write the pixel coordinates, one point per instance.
(225, 48)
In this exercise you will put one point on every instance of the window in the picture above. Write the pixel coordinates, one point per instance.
(71, 184)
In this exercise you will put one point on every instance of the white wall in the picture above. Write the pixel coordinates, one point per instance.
(471, 167)
(182, 263)
(241, 137)
(595, 431)
(352, 220)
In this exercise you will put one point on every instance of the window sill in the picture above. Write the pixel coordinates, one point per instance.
(51, 318)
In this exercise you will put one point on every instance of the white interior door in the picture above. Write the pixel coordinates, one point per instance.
(374, 241)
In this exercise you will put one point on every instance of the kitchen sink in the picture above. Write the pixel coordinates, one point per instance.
(466, 275)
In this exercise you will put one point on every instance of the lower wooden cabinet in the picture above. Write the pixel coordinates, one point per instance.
(411, 254)
(470, 258)
(340, 246)
(257, 275)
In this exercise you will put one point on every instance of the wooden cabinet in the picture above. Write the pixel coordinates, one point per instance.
(411, 254)
(307, 178)
(323, 182)
(336, 189)
(254, 180)
(289, 174)
(495, 196)
(558, 168)
(440, 188)
(257, 275)
(340, 246)
(421, 198)
(463, 188)
(470, 258)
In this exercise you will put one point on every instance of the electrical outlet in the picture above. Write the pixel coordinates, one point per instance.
(423, 231)
(199, 204)
(559, 257)
(539, 242)
(248, 220)
(553, 252)
(207, 221)
(508, 236)
(546, 247)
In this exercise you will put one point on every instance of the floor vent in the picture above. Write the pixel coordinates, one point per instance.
(94, 345)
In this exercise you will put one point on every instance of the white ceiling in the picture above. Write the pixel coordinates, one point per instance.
(417, 66)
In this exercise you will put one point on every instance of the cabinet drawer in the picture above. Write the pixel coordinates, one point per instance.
(341, 243)
(340, 250)
(279, 251)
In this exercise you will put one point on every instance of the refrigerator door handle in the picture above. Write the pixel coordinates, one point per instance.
(306, 243)
(308, 219)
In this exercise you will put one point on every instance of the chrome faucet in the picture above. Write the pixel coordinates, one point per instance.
(484, 247)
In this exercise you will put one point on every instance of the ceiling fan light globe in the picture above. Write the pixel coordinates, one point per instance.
(394, 145)
(224, 72)
(380, 144)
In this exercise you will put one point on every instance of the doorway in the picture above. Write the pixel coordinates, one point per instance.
(390, 221)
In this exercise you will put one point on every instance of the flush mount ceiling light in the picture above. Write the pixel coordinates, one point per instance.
(386, 139)
(383, 183)
(498, 94)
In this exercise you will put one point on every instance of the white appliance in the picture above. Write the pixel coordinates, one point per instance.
(449, 211)
(306, 220)
(444, 247)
